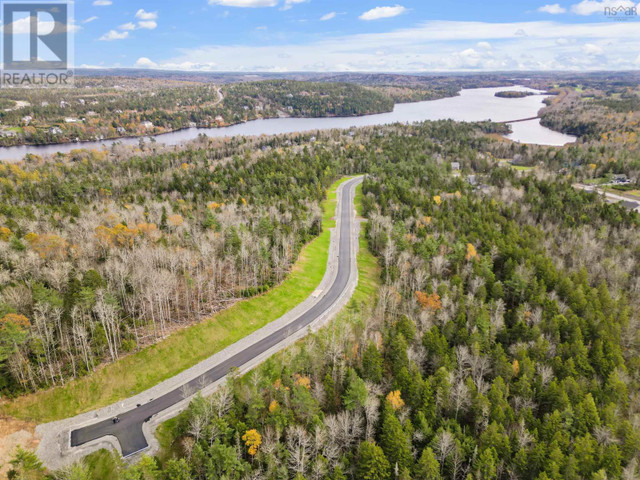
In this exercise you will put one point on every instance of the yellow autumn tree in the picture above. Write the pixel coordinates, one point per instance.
(395, 399)
(273, 406)
(471, 252)
(516, 367)
(437, 199)
(5, 234)
(302, 381)
(252, 440)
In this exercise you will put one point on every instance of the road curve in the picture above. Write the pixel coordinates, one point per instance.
(129, 432)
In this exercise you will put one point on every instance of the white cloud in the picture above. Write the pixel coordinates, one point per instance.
(589, 7)
(290, 3)
(382, 12)
(553, 9)
(432, 46)
(484, 45)
(328, 16)
(144, 62)
(128, 26)
(244, 3)
(90, 19)
(147, 24)
(114, 35)
(592, 49)
(142, 15)
(102, 3)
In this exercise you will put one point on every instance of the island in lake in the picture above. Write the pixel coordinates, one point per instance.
(513, 94)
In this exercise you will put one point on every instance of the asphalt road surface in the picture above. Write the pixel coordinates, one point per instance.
(128, 430)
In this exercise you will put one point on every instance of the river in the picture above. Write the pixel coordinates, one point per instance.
(471, 105)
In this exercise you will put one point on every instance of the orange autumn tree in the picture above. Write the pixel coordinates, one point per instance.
(14, 320)
(175, 220)
(429, 302)
(118, 236)
(48, 245)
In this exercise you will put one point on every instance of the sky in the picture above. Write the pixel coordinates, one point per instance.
(357, 35)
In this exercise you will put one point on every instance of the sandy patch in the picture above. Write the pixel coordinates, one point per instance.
(14, 433)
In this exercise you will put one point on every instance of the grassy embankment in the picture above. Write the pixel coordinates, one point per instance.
(146, 368)
(105, 465)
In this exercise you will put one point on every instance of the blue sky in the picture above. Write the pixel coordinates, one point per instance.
(356, 35)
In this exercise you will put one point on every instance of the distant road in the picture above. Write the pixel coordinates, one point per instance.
(521, 120)
(128, 430)
(628, 202)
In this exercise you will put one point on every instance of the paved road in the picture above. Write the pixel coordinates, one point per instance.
(128, 430)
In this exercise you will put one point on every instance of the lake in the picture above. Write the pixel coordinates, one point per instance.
(471, 105)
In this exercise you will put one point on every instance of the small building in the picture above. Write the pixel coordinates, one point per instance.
(55, 131)
(146, 124)
(192, 124)
(7, 133)
(121, 131)
(518, 159)
(455, 166)
(472, 180)
(27, 119)
(71, 120)
(619, 178)
(63, 104)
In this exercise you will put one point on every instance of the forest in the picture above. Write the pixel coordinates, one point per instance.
(513, 94)
(100, 256)
(502, 342)
(110, 107)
